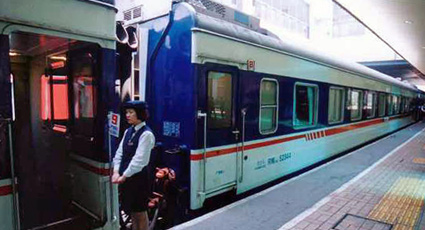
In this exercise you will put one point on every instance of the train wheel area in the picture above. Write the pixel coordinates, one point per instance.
(379, 186)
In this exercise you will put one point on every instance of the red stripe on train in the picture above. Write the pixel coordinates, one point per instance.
(5, 190)
(99, 171)
(220, 152)
(307, 136)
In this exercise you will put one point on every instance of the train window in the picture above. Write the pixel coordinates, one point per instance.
(390, 108)
(396, 104)
(306, 100)
(219, 100)
(56, 104)
(336, 105)
(381, 106)
(406, 105)
(370, 104)
(269, 92)
(355, 105)
(84, 90)
(402, 103)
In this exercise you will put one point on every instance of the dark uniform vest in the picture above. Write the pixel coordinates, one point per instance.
(129, 147)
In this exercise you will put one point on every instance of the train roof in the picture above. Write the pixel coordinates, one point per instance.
(260, 37)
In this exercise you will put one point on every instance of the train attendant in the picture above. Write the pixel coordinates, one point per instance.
(130, 162)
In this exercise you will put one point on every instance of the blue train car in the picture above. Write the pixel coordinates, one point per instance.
(234, 107)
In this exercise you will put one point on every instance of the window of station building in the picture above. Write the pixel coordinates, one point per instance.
(381, 105)
(305, 105)
(269, 101)
(390, 107)
(219, 100)
(355, 105)
(336, 105)
(344, 24)
(370, 104)
(291, 15)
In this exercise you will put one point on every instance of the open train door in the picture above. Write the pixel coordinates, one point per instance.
(219, 132)
(62, 167)
(9, 218)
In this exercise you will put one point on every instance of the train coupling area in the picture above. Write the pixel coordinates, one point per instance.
(380, 186)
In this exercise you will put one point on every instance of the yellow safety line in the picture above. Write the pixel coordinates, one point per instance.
(401, 206)
(419, 160)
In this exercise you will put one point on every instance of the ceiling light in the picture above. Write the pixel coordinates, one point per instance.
(58, 58)
(13, 54)
(408, 22)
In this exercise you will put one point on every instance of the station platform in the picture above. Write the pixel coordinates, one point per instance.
(380, 186)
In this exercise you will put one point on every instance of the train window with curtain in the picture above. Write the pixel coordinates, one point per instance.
(84, 90)
(370, 104)
(269, 92)
(390, 108)
(336, 105)
(396, 104)
(219, 100)
(355, 106)
(305, 105)
(381, 106)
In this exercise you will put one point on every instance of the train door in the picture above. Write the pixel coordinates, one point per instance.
(54, 106)
(222, 129)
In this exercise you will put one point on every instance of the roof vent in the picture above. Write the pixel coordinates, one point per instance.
(133, 13)
(127, 15)
(226, 13)
(214, 7)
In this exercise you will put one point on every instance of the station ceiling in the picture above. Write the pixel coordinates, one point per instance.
(399, 23)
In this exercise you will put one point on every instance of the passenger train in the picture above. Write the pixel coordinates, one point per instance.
(232, 107)
(235, 107)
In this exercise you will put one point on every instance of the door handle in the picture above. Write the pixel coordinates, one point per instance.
(236, 133)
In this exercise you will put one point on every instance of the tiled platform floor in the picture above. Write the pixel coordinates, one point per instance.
(389, 195)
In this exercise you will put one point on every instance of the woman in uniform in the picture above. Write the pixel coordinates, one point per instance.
(130, 164)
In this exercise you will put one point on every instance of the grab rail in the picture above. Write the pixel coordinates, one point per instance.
(16, 216)
(111, 171)
(243, 111)
(204, 116)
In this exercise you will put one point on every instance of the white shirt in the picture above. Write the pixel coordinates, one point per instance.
(142, 155)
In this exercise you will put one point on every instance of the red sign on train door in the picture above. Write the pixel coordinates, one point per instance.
(114, 124)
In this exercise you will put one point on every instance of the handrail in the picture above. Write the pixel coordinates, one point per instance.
(204, 116)
(16, 216)
(111, 171)
(243, 111)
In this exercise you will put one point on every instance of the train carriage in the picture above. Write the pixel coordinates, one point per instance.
(232, 107)
(57, 74)
(235, 107)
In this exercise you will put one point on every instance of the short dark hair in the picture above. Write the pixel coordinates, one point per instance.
(139, 106)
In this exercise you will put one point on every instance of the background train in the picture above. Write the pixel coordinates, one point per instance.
(232, 107)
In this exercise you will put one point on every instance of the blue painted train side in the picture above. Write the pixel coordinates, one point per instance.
(177, 92)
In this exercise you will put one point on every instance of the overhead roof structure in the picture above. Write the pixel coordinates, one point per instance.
(399, 23)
